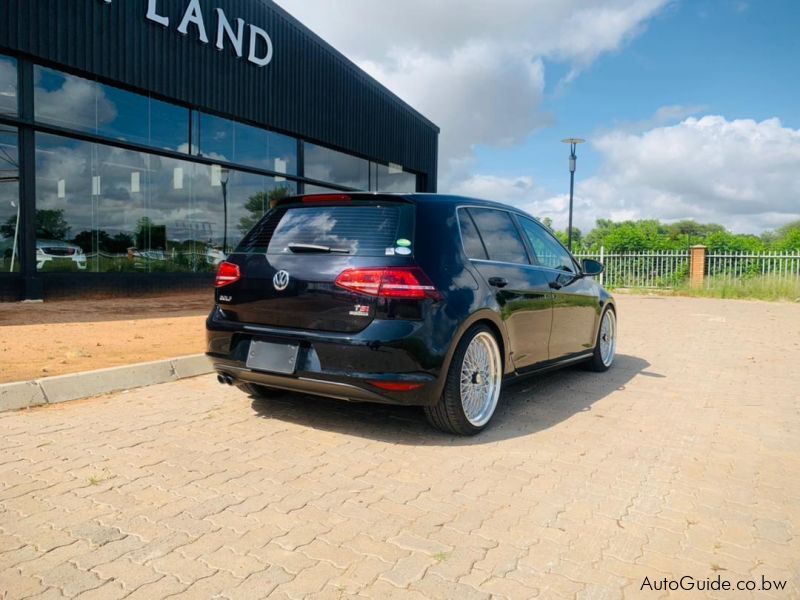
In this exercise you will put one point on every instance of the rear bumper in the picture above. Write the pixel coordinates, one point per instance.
(336, 365)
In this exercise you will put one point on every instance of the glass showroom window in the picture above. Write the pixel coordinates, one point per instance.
(105, 209)
(318, 189)
(234, 142)
(324, 164)
(8, 86)
(234, 201)
(393, 178)
(67, 192)
(9, 200)
(76, 103)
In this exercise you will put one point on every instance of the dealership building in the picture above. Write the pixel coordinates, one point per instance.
(140, 139)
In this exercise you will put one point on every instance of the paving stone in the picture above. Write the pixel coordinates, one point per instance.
(311, 580)
(681, 459)
(239, 565)
(127, 573)
(70, 579)
(185, 570)
(408, 570)
(260, 585)
(16, 585)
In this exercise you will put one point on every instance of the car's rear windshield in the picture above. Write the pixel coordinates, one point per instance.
(366, 229)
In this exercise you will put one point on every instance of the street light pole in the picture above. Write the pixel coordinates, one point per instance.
(573, 163)
(224, 182)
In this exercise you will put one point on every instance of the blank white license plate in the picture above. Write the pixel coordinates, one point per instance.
(272, 357)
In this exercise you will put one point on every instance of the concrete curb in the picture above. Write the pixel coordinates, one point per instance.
(62, 388)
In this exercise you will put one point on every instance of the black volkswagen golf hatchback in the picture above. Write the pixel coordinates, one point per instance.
(412, 299)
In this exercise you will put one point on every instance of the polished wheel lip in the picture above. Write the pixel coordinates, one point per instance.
(480, 377)
(608, 338)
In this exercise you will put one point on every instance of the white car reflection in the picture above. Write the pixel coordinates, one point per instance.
(56, 251)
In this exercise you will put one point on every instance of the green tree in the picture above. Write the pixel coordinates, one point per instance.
(49, 224)
(725, 241)
(787, 238)
(258, 204)
(629, 236)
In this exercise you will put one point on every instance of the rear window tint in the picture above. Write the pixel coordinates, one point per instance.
(364, 230)
(500, 235)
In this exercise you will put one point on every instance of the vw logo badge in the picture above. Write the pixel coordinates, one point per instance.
(281, 280)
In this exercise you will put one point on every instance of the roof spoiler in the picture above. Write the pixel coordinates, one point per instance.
(339, 198)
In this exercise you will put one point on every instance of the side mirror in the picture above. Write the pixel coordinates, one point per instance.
(591, 268)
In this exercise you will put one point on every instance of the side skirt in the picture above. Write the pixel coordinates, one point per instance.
(547, 366)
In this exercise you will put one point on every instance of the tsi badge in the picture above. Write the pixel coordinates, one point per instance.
(360, 310)
(281, 280)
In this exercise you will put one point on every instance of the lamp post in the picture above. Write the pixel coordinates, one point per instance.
(573, 161)
(224, 176)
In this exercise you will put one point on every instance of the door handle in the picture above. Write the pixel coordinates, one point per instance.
(554, 285)
(498, 282)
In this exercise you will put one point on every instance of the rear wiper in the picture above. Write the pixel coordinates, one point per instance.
(315, 248)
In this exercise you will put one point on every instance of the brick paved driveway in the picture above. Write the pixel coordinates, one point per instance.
(683, 460)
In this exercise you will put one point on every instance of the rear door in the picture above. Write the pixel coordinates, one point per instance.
(492, 241)
(290, 260)
(575, 300)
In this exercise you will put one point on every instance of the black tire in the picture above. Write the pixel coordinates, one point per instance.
(596, 363)
(448, 414)
(260, 391)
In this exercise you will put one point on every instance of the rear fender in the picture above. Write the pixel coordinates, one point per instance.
(482, 315)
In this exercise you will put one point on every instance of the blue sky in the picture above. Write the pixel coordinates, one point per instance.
(690, 107)
(735, 59)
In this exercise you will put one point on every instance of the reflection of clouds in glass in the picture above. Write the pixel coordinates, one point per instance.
(9, 192)
(71, 101)
(299, 228)
(324, 164)
(394, 182)
(8, 85)
(500, 235)
(78, 103)
(296, 227)
(191, 214)
(231, 141)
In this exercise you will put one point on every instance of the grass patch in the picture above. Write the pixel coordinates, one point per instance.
(751, 288)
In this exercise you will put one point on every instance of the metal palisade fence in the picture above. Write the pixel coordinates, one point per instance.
(742, 265)
(670, 268)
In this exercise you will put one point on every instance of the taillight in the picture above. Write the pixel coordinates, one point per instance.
(405, 283)
(227, 273)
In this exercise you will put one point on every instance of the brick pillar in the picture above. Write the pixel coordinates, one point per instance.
(697, 266)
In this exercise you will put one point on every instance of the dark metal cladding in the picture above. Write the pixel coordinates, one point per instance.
(308, 89)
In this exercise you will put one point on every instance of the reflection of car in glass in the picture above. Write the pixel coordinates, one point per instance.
(423, 300)
(54, 251)
(136, 254)
(215, 255)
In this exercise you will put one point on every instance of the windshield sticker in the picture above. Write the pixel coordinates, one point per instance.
(390, 252)
(403, 242)
(402, 251)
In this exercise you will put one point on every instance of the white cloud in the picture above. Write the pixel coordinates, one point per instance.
(474, 68)
(741, 173)
(511, 190)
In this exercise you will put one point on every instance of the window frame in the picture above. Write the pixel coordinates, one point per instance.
(521, 234)
(532, 251)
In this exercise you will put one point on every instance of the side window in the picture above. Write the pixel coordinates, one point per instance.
(549, 253)
(500, 235)
(473, 246)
